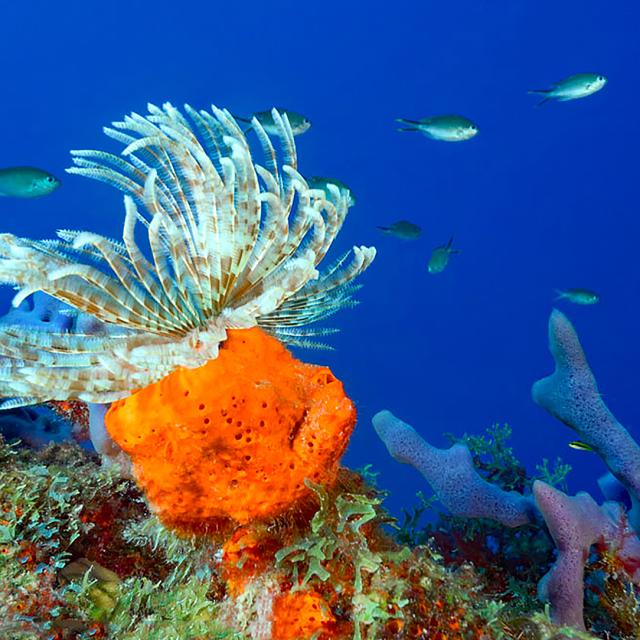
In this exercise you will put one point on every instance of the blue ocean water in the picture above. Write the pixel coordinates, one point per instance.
(543, 198)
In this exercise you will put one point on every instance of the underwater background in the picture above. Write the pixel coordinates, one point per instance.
(541, 199)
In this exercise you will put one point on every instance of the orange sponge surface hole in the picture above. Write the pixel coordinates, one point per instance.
(236, 438)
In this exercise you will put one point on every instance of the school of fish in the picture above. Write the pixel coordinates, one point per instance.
(31, 182)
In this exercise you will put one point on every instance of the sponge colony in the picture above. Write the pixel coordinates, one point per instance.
(236, 438)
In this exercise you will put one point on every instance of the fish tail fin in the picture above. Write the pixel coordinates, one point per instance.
(413, 124)
(541, 92)
(383, 229)
(560, 295)
(449, 246)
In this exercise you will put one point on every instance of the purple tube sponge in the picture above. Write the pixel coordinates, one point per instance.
(35, 427)
(46, 313)
(571, 395)
(574, 524)
(452, 476)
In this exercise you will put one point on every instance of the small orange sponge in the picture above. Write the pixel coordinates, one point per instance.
(236, 438)
(301, 614)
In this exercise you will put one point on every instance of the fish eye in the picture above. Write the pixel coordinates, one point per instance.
(49, 178)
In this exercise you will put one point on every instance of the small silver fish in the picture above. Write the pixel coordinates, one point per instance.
(318, 182)
(402, 229)
(440, 257)
(450, 128)
(299, 124)
(578, 296)
(577, 86)
(26, 182)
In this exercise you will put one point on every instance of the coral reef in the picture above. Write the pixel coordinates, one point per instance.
(82, 558)
(217, 506)
(577, 525)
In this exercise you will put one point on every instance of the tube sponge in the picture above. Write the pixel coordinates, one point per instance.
(34, 426)
(575, 523)
(236, 438)
(571, 395)
(452, 476)
(44, 312)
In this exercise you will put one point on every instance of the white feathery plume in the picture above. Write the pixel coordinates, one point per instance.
(230, 244)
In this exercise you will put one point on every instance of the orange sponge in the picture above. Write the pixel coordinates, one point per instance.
(301, 614)
(236, 438)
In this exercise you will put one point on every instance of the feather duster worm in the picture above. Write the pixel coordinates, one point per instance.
(230, 245)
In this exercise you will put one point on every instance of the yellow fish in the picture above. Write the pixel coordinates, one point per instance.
(580, 446)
